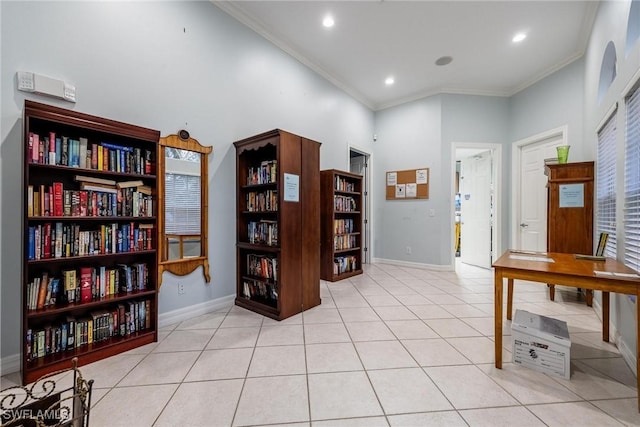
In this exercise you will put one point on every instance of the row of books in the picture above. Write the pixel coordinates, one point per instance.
(343, 226)
(344, 203)
(70, 333)
(344, 264)
(263, 232)
(90, 200)
(262, 266)
(253, 289)
(342, 184)
(266, 173)
(85, 285)
(59, 240)
(61, 150)
(345, 242)
(265, 201)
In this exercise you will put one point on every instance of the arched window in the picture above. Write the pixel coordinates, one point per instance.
(607, 70)
(633, 26)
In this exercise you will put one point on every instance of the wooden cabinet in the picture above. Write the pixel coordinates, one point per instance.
(341, 225)
(89, 264)
(570, 210)
(278, 226)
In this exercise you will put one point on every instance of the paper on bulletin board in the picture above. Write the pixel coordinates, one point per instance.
(421, 176)
(392, 178)
(400, 191)
(291, 187)
(572, 196)
(412, 190)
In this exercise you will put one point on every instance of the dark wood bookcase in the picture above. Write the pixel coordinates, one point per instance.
(341, 225)
(570, 189)
(278, 227)
(89, 268)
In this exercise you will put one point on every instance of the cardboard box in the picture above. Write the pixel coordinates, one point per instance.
(541, 343)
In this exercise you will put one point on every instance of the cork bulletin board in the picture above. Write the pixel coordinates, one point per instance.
(407, 184)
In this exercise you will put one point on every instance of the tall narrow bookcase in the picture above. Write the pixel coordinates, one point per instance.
(89, 267)
(278, 233)
(341, 229)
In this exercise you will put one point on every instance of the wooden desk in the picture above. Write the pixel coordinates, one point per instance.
(569, 271)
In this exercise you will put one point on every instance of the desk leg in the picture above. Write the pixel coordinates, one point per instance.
(498, 315)
(605, 316)
(509, 299)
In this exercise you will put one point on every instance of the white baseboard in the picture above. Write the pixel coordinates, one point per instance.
(10, 364)
(182, 314)
(414, 264)
(615, 337)
(628, 355)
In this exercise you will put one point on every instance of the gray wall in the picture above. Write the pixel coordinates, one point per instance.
(476, 119)
(421, 134)
(167, 66)
(409, 138)
(555, 101)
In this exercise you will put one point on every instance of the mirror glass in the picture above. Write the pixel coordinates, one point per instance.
(182, 207)
(182, 222)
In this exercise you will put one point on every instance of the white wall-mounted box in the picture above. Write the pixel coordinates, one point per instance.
(43, 85)
(541, 343)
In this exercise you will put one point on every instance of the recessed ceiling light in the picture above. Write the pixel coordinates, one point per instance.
(519, 37)
(328, 21)
(389, 81)
(444, 60)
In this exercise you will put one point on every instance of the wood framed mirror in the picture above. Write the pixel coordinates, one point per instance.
(182, 211)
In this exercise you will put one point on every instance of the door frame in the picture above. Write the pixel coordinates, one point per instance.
(368, 214)
(516, 166)
(496, 172)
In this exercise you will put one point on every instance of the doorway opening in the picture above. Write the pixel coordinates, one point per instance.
(477, 203)
(359, 164)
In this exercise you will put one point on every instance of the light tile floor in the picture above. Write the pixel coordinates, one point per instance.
(395, 346)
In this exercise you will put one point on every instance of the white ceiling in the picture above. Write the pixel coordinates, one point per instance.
(372, 40)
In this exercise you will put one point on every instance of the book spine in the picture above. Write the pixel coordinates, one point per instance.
(47, 240)
(39, 142)
(58, 151)
(31, 243)
(100, 157)
(30, 200)
(58, 203)
(52, 148)
(42, 292)
(64, 152)
(94, 156)
(82, 152)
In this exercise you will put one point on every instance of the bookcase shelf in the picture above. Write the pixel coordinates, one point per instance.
(341, 225)
(90, 353)
(90, 194)
(70, 307)
(280, 279)
(76, 170)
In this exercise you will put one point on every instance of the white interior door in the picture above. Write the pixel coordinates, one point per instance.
(532, 219)
(359, 165)
(475, 210)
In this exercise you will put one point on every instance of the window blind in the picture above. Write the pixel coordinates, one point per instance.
(182, 204)
(606, 183)
(632, 182)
